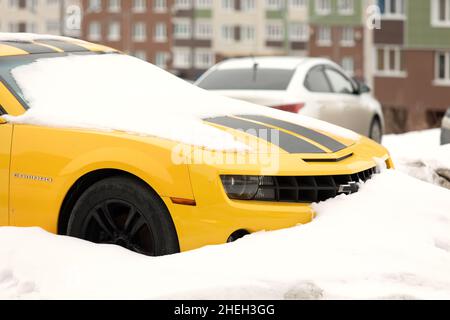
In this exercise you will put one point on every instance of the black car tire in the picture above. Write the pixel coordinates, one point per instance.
(124, 211)
(376, 131)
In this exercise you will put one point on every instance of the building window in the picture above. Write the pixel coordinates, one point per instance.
(140, 32)
(161, 59)
(324, 37)
(183, 4)
(204, 58)
(274, 32)
(274, 4)
(114, 5)
(348, 65)
(228, 5)
(203, 30)
(228, 32)
(114, 31)
(140, 54)
(94, 5)
(248, 5)
(182, 58)
(139, 6)
(298, 32)
(346, 7)
(389, 61)
(203, 4)
(94, 31)
(160, 32)
(182, 29)
(347, 37)
(297, 4)
(160, 6)
(248, 33)
(323, 7)
(392, 8)
(440, 13)
(443, 68)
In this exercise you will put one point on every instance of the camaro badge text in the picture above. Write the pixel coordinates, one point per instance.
(31, 177)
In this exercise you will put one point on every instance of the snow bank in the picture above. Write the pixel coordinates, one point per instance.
(390, 240)
(420, 155)
(118, 92)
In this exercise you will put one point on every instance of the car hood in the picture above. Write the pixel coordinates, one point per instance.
(277, 133)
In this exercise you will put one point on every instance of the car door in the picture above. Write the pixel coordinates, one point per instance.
(319, 96)
(5, 155)
(347, 109)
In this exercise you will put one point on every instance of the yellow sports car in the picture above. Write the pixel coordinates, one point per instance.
(105, 147)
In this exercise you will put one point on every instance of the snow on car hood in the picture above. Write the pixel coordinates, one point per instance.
(119, 92)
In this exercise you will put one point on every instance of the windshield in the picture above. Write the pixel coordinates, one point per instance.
(247, 79)
(7, 64)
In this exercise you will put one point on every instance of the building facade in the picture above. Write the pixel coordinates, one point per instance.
(412, 65)
(338, 33)
(142, 28)
(45, 17)
(192, 37)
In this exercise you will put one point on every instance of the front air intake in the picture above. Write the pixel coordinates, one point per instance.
(309, 189)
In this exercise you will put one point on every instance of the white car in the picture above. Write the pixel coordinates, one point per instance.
(315, 87)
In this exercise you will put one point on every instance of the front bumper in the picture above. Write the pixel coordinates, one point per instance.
(215, 217)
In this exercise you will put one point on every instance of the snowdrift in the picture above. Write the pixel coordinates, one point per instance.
(420, 155)
(389, 241)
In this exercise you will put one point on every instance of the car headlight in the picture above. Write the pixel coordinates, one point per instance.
(241, 187)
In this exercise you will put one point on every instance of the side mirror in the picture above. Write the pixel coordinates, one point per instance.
(364, 88)
(361, 87)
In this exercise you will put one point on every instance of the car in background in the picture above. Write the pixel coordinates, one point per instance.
(314, 87)
(445, 133)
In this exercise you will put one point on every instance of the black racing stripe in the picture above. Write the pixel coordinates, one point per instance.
(313, 135)
(287, 142)
(63, 45)
(28, 47)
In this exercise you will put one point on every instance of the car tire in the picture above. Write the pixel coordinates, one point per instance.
(376, 131)
(126, 212)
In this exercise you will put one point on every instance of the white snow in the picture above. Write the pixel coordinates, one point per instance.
(389, 241)
(420, 155)
(118, 92)
(30, 37)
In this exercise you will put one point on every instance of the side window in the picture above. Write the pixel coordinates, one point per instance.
(316, 81)
(339, 82)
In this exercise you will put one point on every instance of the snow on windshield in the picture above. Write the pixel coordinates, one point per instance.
(119, 92)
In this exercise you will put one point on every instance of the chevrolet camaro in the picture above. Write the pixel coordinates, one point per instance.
(122, 183)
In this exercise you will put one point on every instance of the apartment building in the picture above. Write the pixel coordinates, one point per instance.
(412, 65)
(338, 33)
(44, 16)
(270, 27)
(192, 37)
(142, 28)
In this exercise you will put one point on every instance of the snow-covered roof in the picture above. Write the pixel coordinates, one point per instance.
(30, 37)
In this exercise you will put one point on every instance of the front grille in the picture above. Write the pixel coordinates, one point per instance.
(308, 189)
